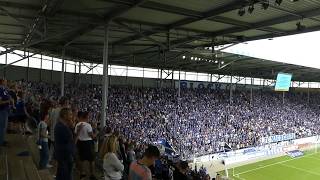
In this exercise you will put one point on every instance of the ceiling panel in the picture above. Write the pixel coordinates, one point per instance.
(196, 5)
(152, 16)
(257, 15)
(206, 25)
(292, 24)
(250, 33)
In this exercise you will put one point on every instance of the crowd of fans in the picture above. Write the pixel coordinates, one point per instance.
(201, 121)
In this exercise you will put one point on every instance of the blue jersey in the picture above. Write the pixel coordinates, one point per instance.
(4, 96)
(20, 106)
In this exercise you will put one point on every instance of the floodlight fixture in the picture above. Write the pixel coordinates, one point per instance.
(278, 2)
(265, 5)
(242, 12)
(251, 9)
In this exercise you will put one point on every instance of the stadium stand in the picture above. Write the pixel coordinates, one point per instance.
(144, 89)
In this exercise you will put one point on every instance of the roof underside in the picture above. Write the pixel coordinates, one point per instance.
(157, 33)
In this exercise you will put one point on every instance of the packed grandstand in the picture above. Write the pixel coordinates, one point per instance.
(197, 123)
(159, 90)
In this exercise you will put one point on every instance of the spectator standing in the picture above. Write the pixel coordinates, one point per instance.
(112, 166)
(21, 113)
(104, 140)
(85, 144)
(12, 91)
(64, 145)
(181, 171)
(43, 141)
(131, 154)
(54, 117)
(139, 170)
(5, 101)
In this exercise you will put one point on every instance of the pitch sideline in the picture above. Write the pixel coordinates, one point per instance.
(280, 162)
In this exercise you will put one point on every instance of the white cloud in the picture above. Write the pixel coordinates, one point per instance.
(301, 49)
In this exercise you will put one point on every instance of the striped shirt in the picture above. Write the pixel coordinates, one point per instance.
(139, 172)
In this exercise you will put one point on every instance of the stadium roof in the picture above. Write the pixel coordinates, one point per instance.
(143, 32)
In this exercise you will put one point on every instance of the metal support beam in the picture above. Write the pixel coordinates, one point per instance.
(163, 46)
(251, 92)
(5, 66)
(48, 9)
(193, 17)
(160, 78)
(179, 88)
(105, 82)
(91, 68)
(36, 42)
(270, 22)
(62, 73)
(231, 91)
(107, 18)
(18, 20)
(40, 70)
(172, 81)
(28, 68)
(308, 92)
(79, 75)
(5, 70)
(142, 79)
(51, 78)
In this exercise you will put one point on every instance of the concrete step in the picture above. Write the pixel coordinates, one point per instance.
(45, 175)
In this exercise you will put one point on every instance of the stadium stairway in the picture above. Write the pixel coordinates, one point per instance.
(3, 166)
(21, 160)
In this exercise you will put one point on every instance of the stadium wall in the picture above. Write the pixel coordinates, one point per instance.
(37, 75)
(241, 156)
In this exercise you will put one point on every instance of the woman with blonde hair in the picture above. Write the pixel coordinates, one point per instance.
(112, 166)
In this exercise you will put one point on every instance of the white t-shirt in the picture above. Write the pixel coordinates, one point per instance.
(42, 128)
(84, 132)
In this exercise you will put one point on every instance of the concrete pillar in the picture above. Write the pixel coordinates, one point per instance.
(105, 82)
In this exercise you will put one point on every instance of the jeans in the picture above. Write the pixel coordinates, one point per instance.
(3, 125)
(44, 154)
(64, 170)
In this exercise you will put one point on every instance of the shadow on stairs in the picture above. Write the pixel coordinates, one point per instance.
(22, 156)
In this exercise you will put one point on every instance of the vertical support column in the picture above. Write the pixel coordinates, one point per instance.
(5, 69)
(160, 78)
(251, 91)
(179, 85)
(40, 71)
(283, 97)
(105, 78)
(142, 81)
(28, 64)
(62, 74)
(28, 69)
(172, 81)
(75, 74)
(91, 76)
(230, 101)
(127, 69)
(308, 92)
(51, 78)
(79, 75)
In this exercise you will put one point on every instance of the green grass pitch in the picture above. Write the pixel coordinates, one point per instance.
(306, 167)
